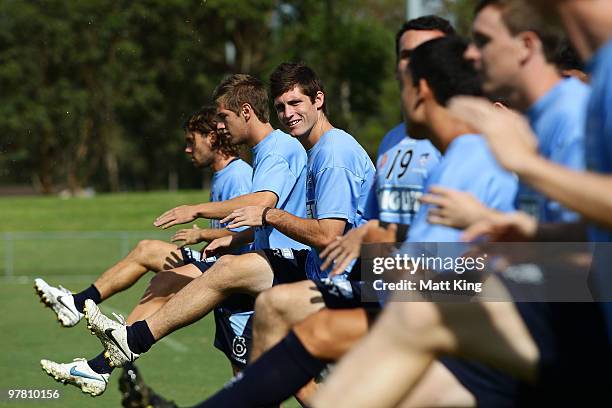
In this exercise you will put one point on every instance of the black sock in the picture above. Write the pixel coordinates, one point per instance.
(89, 293)
(275, 376)
(100, 365)
(139, 337)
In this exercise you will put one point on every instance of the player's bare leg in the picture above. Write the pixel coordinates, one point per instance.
(409, 336)
(162, 287)
(148, 255)
(278, 309)
(328, 335)
(248, 273)
(438, 388)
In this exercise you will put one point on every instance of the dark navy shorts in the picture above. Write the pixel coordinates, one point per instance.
(344, 294)
(234, 331)
(233, 317)
(288, 265)
(574, 367)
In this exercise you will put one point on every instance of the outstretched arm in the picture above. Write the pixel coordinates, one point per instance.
(316, 233)
(213, 210)
(196, 235)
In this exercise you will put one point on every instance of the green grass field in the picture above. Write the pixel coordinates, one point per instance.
(184, 367)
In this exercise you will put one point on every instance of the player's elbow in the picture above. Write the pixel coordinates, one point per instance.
(323, 240)
(268, 199)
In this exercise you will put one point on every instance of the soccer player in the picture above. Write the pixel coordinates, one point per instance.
(573, 368)
(514, 49)
(278, 180)
(403, 163)
(402, 167)
(339, 176)
(208, 145)
(424, 94)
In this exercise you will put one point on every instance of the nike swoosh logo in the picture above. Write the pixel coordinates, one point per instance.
(61, 300)
(109, 334)
(74, 371)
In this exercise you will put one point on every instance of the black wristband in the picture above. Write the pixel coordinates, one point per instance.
(264, 223)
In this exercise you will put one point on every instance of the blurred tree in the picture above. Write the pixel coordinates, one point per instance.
(95, 93)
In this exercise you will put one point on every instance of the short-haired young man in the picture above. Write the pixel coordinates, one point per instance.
(402, 167)
(514, 50)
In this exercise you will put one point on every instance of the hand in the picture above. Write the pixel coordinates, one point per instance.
(179, 215)
(507, 132)
(343, 250)
(217, 246)
(188, 236)
(452, 208)
(506, 227)
(245, 217)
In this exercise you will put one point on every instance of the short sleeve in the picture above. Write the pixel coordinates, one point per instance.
(337, 191)
(273, 174)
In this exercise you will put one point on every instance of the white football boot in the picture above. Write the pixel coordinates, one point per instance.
(112, 335)
(77, 373)
(60, 300)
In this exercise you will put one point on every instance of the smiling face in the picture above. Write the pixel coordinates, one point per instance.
(495, 52)
(297, 112)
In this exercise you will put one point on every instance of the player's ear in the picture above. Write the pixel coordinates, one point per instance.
(246, 111)
(319, 100)
(530, 45)
(212, 137)
(423, 93)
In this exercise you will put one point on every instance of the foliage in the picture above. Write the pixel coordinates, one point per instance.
(94, 93)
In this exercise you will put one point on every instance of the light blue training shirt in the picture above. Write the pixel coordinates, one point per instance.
(599, 159)
(599, 124)
(340, 174)
(558, 120)
(232, 181)
(279, 166)
(402, 166)
(467, 165)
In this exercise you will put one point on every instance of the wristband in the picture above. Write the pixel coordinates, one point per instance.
(264, 223)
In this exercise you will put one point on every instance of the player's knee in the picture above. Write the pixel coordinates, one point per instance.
(418, 325)
(278, 300)
(269, 307)
(263, 308)
(146, 247)
(224, 265)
